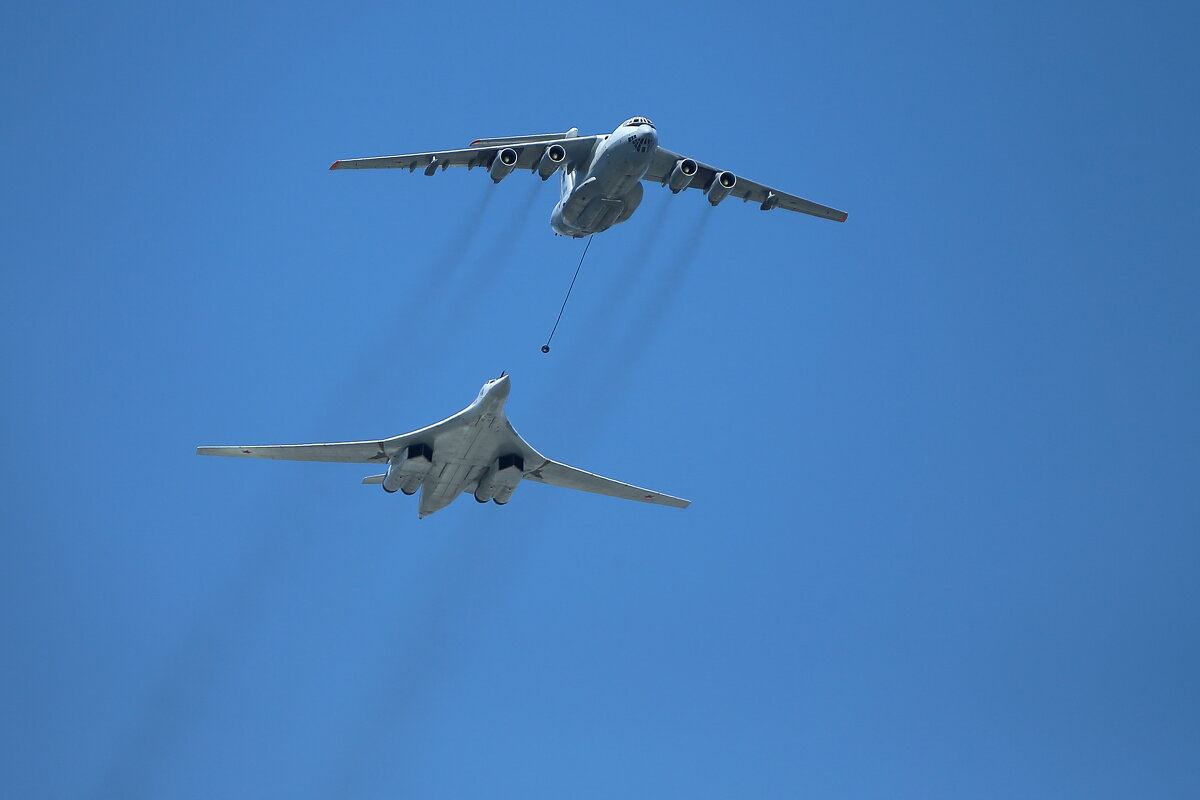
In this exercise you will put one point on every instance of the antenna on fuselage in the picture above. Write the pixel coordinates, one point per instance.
(546, 346)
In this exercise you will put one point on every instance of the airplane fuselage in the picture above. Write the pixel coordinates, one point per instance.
(467, 456)
(607, 189)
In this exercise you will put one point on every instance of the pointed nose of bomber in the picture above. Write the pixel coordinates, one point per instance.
(501, 387)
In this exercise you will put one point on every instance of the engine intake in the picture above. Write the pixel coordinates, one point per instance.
(721, 186)
(502, 164)
(408, 468)
(551, 160)
(681, 177)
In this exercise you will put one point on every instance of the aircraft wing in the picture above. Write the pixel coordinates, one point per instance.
(664, 162)
(344, 452)
(556, 474)
(370, 452)
(529, 153)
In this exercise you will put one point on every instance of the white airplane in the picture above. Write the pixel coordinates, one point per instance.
(476, 450)
(601, 174)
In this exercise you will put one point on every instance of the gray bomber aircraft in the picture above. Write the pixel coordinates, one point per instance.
(601, 175)
(477, 450)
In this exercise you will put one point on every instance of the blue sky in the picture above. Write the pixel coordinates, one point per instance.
(943, 457)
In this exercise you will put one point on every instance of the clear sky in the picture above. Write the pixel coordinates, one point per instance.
(943, 458)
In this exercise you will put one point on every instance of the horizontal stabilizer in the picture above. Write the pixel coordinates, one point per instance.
(505, 141)
(373, 479)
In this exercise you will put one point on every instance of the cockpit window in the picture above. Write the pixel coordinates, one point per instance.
(637, 121)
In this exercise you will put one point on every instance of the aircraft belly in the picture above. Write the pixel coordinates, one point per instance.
(619, 168)
(442, 490)
(459, 460)
(597, 203)
(600, 214)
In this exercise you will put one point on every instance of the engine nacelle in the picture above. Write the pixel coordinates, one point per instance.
(681, 176)
(502, 164)
(501, 479)
(722, 185)
(408, 468)
(551, 160)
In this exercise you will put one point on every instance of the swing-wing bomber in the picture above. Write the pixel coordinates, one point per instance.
(476, 450)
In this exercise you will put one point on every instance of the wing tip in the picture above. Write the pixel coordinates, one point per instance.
(844, 217)
(334, 165)
(225, 450)
(666, 500)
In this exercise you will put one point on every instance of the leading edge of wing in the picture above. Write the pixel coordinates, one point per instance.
(373, 451)
(470, 156)
(555, 473)
(344, 452)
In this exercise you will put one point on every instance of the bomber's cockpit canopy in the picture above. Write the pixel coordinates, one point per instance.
(633, 122)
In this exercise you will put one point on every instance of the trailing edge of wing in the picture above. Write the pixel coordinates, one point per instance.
(568, 477)
(344, 452)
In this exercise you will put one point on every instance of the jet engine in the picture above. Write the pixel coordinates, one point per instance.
(721, 186)
(501, 479)
(681, 176)
(503, 164)
(408, 468)
(551, 160)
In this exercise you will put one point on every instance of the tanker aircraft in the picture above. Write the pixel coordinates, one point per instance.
(477, 450)
(601, 175)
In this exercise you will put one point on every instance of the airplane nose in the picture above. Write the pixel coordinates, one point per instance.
(502, 386)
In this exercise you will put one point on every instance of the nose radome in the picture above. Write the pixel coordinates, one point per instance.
(502, 386)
